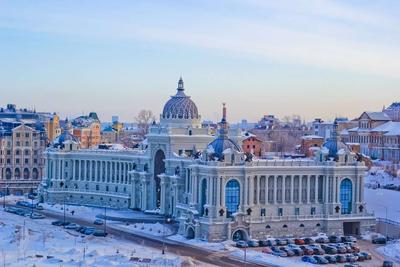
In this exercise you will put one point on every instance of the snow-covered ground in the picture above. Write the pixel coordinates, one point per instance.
(27, 242)
(267, 259)
(218, 246)
(378, 200)
(377, 175)
(392, 250)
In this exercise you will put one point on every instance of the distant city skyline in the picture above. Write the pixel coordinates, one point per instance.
(313, 58)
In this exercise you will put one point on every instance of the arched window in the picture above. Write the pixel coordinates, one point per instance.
(232, 197)
(8, 173)
(26, 173)
(17, 173)
(346, 195)
(302, 225)
(203, 194)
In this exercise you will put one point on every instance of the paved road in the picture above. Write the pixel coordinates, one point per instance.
(197, 254)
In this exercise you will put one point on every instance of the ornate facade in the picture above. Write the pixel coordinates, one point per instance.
(208, 184)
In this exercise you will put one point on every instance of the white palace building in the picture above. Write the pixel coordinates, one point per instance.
(207, 184)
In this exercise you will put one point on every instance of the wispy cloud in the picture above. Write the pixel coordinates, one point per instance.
(312, 33)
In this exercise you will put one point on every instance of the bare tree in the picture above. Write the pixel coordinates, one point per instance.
(143, 119)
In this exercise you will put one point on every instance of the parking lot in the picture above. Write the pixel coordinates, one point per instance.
(321, 250)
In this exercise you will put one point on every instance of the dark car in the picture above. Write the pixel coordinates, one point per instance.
(335, 239)
(307, 250)
(387, 264)
(379, 240)
(360, 257)
(340, 258)
(100, 233)
(299, 241)
(322, 240)
(290, 241)
(262, 243)
(340, 248)
(281, 242)
(241, 244)
(330, 258)
(321, 260)
(349, 238)
(309, 259)
(289, 252)
(317, 250)
(89, 231)
(252, 243)
(367, 255)
(271, 242)
(329, 249)
(57, 223)
(297, 251)
(309, 241)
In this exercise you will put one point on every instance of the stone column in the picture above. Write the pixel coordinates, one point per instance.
(283, 189)
(275, 188)
(316, 188)
(218, 193)
(266, 189)
(246, 191)
(251, 190)
(212, 193)
(258, 189)
(362, 188)
(162, 202)
(327, 184)
(144, 191)
(223, 192)
(54, 163)
(61, 166)
(300, 189)
(308, 189)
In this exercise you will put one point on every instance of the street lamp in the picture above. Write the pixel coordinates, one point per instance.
(166, 220)
(105, 218)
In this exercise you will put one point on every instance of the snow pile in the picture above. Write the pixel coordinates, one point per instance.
(370, 235)
(271, 260)
(392, 250)
(26, 242)
(154, 229)
(219, 246)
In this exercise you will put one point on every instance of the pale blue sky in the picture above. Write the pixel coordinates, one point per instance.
(314, 58)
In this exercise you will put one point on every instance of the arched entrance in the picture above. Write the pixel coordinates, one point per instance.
(232, 197)
(239, 235)
(190, 233)
(159, 167)
(346, 195)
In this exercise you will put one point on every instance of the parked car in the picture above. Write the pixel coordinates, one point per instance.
(351, 258)
(340, 258)
(281, 242)
(277, 252)
(354, 247)
(289, 251)
(329, 249)
(296, 249)
(290, 241)
(65, 223)
(252, 243)
(330, 258)
(100, 233)
(320, 259)
(39, 207)
(57, 223)
(335, 239)
(340, 248)
(72, 226)
(309, 259)
(271, 242)
(309, 241)
(379, 240)
(349, 248)
(262, 243)
(387, 264)
(307, 250)
(367, 255)
(299, 241)
(349, 238)
(318, 251)
(360, 257)
(241, 244)
(98, 222)
(37, 216)
(322, 240)
(89, 231)
(266, 250)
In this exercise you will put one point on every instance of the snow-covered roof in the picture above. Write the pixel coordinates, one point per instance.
(390, 128)
(377, 116)
(309, 137)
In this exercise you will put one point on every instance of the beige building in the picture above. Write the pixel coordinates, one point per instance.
(21, 158)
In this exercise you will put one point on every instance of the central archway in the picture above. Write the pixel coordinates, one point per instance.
(239, 235)
(232, 197)
(159, 167)
(190, 233)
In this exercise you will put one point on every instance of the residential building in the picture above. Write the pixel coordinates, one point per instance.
(87, 130)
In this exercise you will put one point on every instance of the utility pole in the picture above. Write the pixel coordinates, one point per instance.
(105, 219)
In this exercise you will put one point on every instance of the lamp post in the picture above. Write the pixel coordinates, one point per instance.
(166, 220)
(105, 217)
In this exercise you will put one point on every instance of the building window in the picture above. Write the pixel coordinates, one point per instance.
(97, 187)
(232, 197)
(262, 212)
(346, 194)
(280, 212)
(312, 210)
(296, 211)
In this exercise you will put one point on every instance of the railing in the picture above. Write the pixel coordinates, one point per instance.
(384, 220)
(92, 192)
